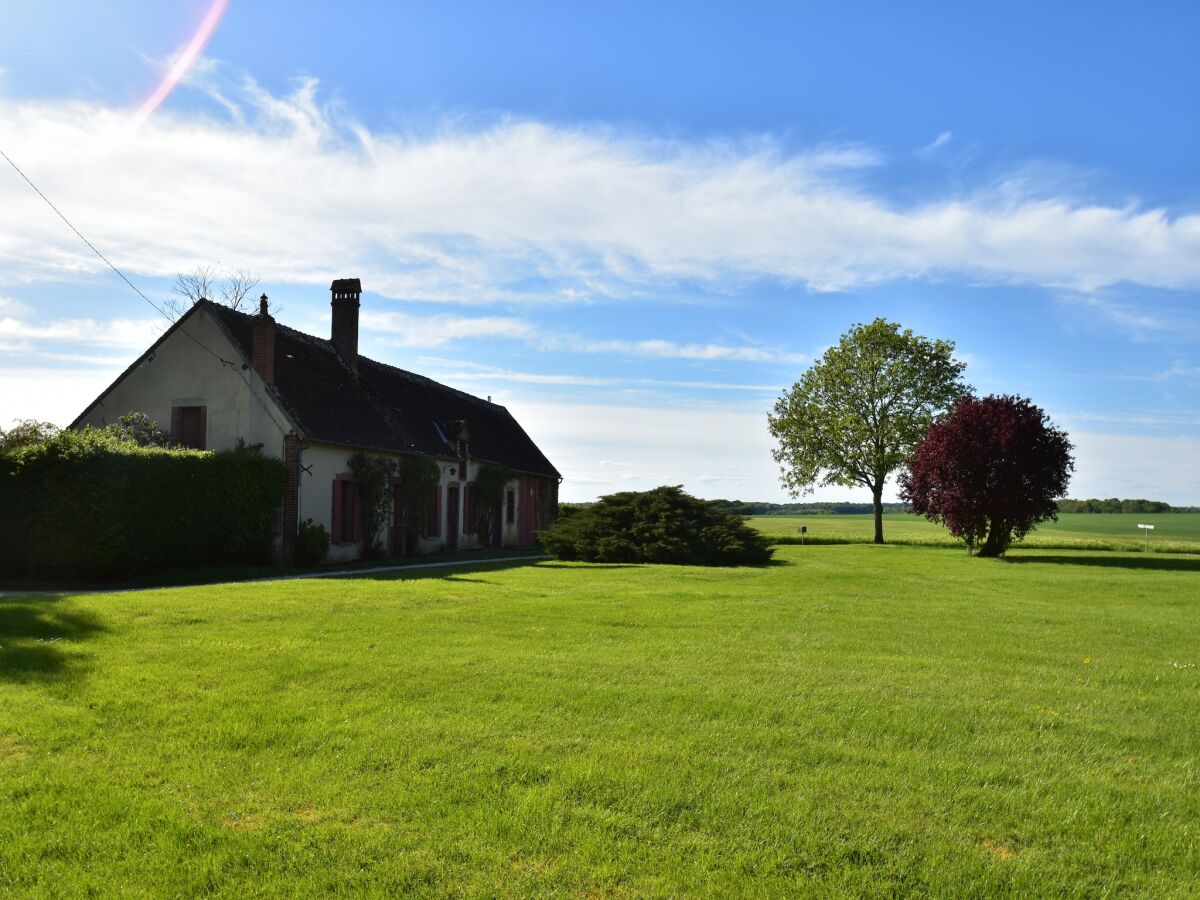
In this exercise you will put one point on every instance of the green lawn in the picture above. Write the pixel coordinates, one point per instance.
(1173, 532)
(851, 721)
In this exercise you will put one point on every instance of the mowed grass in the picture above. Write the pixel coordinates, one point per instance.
(853, 721)
(1172, 533)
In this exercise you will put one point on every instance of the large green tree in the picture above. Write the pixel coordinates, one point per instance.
(858, 413)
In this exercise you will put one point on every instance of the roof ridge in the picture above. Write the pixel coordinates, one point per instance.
(327, 344)
(420, 377)
(378, 405)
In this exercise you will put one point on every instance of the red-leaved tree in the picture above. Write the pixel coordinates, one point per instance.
(990, 469)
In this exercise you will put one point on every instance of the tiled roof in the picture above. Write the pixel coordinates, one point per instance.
(381, 407)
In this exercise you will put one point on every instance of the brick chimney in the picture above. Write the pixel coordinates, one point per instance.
(262, 351)
(344, 331)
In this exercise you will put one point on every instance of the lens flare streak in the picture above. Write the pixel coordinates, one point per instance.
(184, 60)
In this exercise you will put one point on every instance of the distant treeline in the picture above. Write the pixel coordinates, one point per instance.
(1113, 505)
(752, 508)
(747, 508)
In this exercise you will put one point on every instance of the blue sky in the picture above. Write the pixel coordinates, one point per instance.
(633, 226)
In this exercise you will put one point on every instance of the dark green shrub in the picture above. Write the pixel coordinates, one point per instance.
(664, 525)
(312, 544)
(89, 505)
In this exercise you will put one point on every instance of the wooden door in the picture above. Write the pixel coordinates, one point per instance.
(527, 509)
(452, 510)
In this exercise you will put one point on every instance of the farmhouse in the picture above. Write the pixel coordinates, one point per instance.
(219, 377)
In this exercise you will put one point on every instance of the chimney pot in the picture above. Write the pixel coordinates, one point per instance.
(344, 326)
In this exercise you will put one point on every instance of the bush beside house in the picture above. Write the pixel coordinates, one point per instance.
(664, 525)
(312, 544)
(91, 505)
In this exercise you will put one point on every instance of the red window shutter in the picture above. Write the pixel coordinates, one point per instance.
(357, 513)
(437, 511)
(336, 530)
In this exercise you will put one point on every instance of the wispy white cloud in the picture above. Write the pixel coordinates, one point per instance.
(431, 331)
(936, 144)
(14, 308)
(409, 330)
(1180, 370)
(526, 210)
(661, 349)
(1122, 315)
(463, 371)
(131, 333)
(1140, 419)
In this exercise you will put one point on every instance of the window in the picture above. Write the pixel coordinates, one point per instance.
(189, 426)
(510, 507)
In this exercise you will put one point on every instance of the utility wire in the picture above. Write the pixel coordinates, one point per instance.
(232, 365)
(79, 234)
(106, 260)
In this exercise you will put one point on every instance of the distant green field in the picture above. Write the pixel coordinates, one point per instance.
(1173, 532)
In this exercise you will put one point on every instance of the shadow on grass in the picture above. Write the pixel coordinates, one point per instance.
(198, 577)
(38, 638)
(449, 572)
(1145, 561)
(580, 564)
(576, 565)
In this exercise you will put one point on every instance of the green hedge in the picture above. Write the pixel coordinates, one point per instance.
(88, 505)
(664, 525)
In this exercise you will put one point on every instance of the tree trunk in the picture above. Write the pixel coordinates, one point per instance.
(997, 540)
(877, 493)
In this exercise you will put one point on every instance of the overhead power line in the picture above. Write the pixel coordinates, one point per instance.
(81, 236)
(106, 260)
(232, 365)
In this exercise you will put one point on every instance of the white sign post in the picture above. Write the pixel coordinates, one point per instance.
(1147, 529)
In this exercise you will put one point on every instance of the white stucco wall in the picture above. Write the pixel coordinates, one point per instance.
(326, 462)
(182, 373)
(322, 463)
